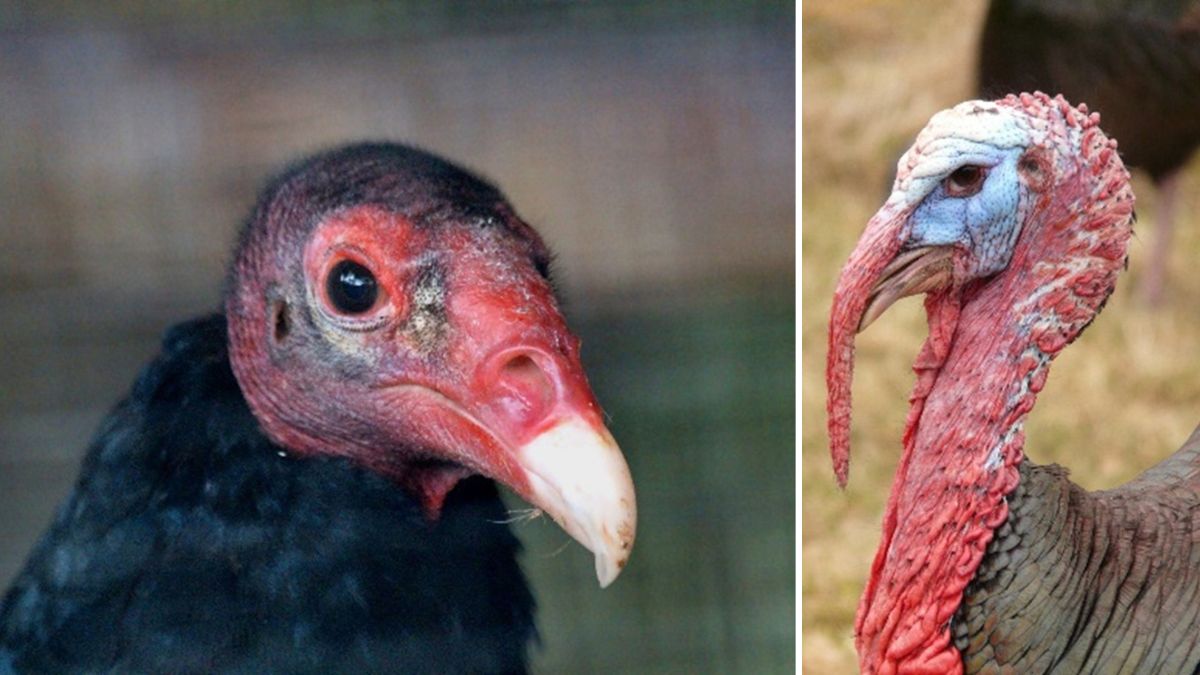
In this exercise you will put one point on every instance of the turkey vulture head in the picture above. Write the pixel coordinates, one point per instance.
(391, 308)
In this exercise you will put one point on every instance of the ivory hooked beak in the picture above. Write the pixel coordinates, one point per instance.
(579, 477)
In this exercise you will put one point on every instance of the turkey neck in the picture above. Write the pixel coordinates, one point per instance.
(978, 375)
(976, 381)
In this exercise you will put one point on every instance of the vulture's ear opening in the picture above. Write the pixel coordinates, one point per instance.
(282, 324)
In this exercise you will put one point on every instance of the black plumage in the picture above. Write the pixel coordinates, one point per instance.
(192, 543)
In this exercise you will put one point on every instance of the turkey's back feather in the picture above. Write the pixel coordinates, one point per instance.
(1090, 582)
(191, 543)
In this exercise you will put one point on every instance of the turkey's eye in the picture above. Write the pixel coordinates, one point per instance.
(351, 287)
(965, 181)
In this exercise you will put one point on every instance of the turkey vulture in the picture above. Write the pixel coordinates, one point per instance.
(303, 483)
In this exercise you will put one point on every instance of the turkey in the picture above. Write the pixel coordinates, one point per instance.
(1138, 62)
(1013, 218)
(303, 483)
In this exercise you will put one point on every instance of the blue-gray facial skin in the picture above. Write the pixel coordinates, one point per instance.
(985, 222)
(978, 208)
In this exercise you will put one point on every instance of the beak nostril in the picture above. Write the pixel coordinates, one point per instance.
(520, 366)
(527, 387)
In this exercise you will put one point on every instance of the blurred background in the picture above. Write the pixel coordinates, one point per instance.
(1124, 396)
(651, 143)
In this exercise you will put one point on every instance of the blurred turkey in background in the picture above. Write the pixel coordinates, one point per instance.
(650, 143)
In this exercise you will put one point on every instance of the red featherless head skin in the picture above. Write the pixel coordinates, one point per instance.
(388, 308)
(1012, 217)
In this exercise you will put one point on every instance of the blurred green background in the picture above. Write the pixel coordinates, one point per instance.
(650, 143)
(1125, 395)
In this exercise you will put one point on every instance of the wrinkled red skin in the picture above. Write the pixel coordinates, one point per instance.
(978, 375)
(466, 375)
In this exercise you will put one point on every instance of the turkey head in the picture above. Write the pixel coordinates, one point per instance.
(1018, 207)
(391, 308)
(1012, 217)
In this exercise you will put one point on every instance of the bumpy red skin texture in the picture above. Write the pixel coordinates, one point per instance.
(409, 382)
(978, 376)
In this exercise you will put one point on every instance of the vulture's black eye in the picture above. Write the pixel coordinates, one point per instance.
(351, 287)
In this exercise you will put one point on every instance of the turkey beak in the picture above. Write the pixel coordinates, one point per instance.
(918, 270)
(578, 476)
(877, 274)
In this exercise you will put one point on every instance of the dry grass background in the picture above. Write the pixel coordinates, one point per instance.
(1121, 398)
